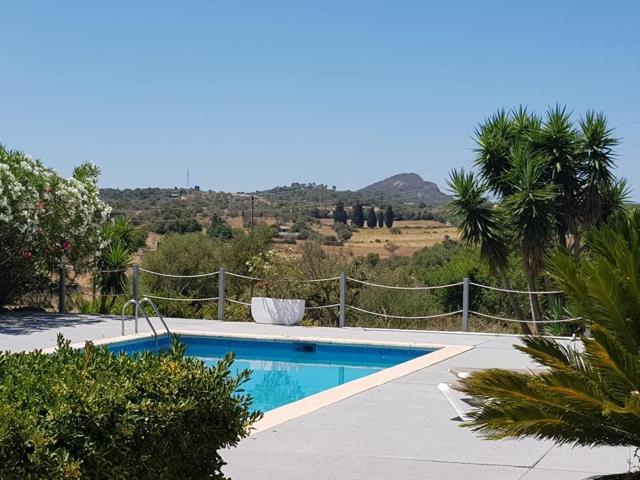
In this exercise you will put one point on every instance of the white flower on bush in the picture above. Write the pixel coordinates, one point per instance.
(44, 216)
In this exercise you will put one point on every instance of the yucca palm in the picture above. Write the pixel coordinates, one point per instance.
(531, 213)
(113, 280)
(482, 224)
(121, 230)
(601, 194)
(556, 142)
(587, 396)
(549, 181)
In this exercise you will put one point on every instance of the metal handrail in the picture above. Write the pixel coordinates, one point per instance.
(133, 301)
(155, 310)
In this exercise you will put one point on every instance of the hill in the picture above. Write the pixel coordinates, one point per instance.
(164, 209)
(408, 187)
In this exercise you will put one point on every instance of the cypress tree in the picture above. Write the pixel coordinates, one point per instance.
(372, 218)
(380, 218)
(340, 214)
(388, 217)
(357, 218)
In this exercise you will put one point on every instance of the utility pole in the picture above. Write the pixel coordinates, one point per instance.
(252, 212)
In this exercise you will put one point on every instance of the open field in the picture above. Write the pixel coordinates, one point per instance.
(414, 235)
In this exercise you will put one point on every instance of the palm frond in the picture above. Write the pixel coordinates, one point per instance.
(588, 396)
(479, 221)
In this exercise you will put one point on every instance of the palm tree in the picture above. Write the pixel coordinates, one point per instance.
(483, 225)
(530, 212)
(601, 195)
(112, 279)
(586, 396)
(549, 181)
(555, 141)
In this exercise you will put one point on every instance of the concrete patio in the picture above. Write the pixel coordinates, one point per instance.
(403, 429)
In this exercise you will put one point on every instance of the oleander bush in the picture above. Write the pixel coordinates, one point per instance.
(45, 219)
(93, 414)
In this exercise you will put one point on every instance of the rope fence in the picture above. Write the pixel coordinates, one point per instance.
(179, 299)
(343, 304)
(394, 287)
(319, 307)
(527, 292)
(97, 272)
(238, 302)
(425, 317)
(199, 275)
(246, 277)
(515, 320)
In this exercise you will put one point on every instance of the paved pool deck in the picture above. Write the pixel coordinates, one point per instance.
(404, 429)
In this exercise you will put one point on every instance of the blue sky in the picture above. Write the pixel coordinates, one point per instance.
(251, 94)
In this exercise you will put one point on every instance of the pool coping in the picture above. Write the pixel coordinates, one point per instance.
(327, 397)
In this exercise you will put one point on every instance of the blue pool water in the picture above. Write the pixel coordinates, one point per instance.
(284, 371)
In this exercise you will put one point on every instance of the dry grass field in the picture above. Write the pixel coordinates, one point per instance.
(413, 235)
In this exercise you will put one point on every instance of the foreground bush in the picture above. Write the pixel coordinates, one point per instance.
(587, 396)
(93, 414)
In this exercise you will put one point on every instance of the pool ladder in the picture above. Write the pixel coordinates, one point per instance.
(139, 307)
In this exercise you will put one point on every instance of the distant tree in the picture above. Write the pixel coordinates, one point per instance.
(340, 214)
(357, 216)
(220, 229)
(372, 218)
(380, 218)
(388, 217)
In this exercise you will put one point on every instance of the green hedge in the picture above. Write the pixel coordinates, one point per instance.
(93, 414)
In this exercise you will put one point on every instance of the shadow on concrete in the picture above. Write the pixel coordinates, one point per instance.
(21, 323)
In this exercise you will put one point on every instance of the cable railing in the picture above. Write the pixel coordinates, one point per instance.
(395, 287)
(508, 290)
(514, 320)
(198, 275)
(343, 305)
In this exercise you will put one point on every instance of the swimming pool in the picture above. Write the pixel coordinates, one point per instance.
(286, 371)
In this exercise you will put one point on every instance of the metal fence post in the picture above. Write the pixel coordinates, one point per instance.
(343, 299)
(61, 287)
(465, 305)
(136, 292)
(221, 294)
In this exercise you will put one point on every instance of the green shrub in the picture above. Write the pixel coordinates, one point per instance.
(331, 240)
(280, 274)
(187, 254)
(93, 414)
(342, 231)
(233, 312)
(220, 229)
